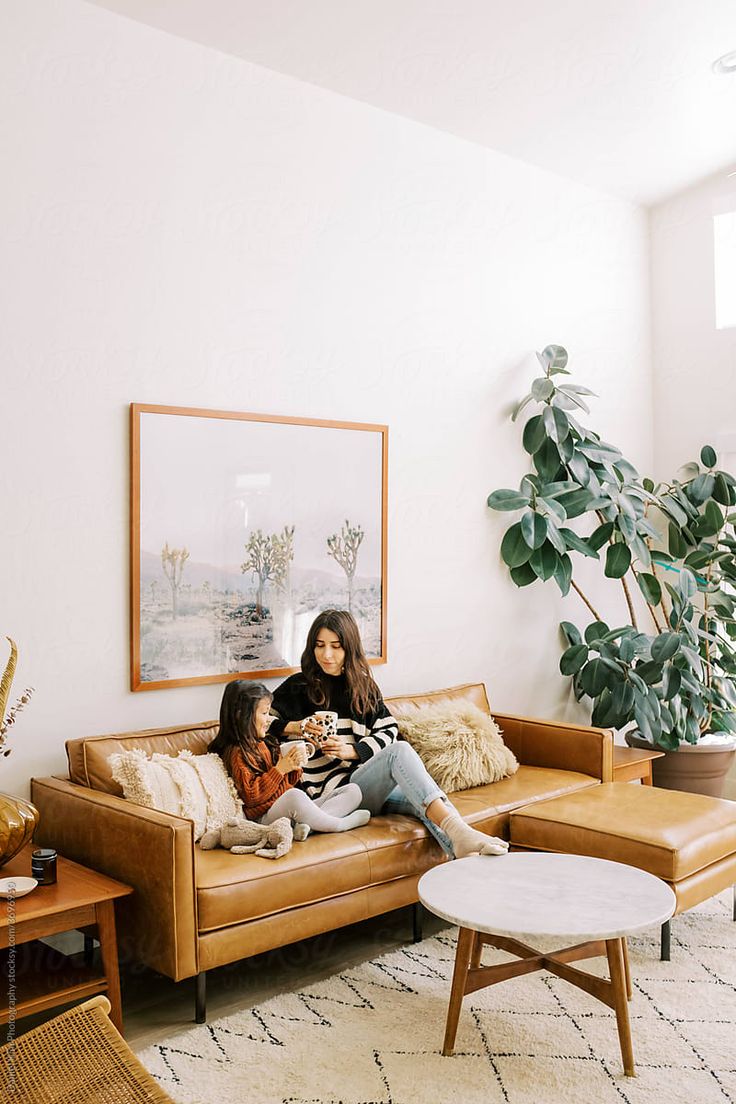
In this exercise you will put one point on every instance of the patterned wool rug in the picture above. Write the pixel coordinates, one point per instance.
(373, 1034)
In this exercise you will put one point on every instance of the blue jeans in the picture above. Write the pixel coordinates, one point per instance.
(395, 780)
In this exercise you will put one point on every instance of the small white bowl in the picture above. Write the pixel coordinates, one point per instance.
(22, 886)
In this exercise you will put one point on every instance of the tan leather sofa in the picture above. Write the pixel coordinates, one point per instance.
(193, 910)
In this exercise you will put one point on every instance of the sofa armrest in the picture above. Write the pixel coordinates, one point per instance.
(151, 851)
(559, 745)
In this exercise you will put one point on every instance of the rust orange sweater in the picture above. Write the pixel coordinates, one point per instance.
(259, 790)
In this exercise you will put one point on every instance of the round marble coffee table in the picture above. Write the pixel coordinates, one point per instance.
(592, 904)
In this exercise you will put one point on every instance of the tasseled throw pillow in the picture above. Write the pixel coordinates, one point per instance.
(193, 786)
(459, 744)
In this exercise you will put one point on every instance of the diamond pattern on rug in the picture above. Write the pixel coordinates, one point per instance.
(373, 1034)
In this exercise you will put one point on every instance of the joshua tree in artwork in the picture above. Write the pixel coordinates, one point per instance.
(172, 561)
(283, 544)
(261, 561)
(343, 547)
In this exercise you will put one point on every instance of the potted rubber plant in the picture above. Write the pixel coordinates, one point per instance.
(666, 672)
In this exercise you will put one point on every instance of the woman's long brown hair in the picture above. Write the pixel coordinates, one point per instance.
(363, 692)
(237, 725)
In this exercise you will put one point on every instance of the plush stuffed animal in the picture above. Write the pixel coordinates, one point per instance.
(245, 837)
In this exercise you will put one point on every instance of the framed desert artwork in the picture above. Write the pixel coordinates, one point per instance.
(243, 528)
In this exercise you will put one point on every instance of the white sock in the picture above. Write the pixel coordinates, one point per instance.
(467, 841)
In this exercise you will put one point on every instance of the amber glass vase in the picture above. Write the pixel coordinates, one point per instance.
(18, 820)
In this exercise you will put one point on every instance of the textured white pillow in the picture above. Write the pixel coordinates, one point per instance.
(459, 744)
(193, 786)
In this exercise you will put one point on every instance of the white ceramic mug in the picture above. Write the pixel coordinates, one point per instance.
(306, 750)
(328, 719)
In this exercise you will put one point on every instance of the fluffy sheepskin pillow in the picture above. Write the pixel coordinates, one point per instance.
(193, 786)
(459, 744)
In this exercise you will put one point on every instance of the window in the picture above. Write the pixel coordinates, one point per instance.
(724, 248)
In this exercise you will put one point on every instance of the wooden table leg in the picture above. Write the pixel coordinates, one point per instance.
(646, 779)
(105, 915)
(627, 969)
(477, 951)
(615, 954)
(465, 945)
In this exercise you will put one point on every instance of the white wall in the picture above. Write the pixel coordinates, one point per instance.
(695, 364)
(185, 228)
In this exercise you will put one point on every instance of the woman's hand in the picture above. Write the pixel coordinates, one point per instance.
(290, 760)
(338, 748)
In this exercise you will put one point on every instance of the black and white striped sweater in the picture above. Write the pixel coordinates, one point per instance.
(369, 734)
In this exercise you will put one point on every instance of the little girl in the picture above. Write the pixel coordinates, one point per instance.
(264, 777)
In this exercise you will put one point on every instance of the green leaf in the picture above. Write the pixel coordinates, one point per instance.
(701, 488)
(600, 535)
(595, 630)
(542, 389)
(556, 423)
(555, 538)
(720, 490)
(563, 573)
(595, 677)
(578, 390)
(534, 434)
(618, 561)
(675, 542)
(627, 649)
(687, 585)
(650, 671)
(534, 529)
(572, 632)
(650, 588)
(507, 500)
(553, 356)
(579, 468)
(552, 507)
(640, 550)
(573, 659)
(547, 460)
(524, 402)
(575, 503)
(664, 646)
(622, 704)
(573, 541)
(514, 549)
(599, 451)
(523, 575)
(708, 456)
(671, 682)
(714, 517)
(571, 399)
(544, 561)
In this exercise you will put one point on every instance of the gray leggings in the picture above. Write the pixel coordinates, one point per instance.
(323, 814)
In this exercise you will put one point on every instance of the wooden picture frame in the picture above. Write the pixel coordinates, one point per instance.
(243, 527)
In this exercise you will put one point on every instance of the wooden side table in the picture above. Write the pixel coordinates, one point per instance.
(632, 763)
(44, 978)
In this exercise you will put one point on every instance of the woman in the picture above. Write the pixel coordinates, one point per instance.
(366, 751)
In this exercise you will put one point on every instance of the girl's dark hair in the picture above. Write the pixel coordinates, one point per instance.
(237, 724)
(363, 693)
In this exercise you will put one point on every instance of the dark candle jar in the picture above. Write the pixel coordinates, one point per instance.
(43, 865)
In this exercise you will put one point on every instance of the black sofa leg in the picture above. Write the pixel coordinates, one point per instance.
(417, 921)
(734, 902)
(665, 950)
(200, 997)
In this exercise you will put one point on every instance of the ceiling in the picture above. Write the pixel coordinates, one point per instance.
(617, 94)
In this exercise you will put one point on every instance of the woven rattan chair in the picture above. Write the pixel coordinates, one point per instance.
(76, 1058)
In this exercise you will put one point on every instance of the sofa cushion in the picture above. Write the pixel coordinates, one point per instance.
(670, 834)
(460, 745)
(193, 786)
(88, 757)
(234, 888)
